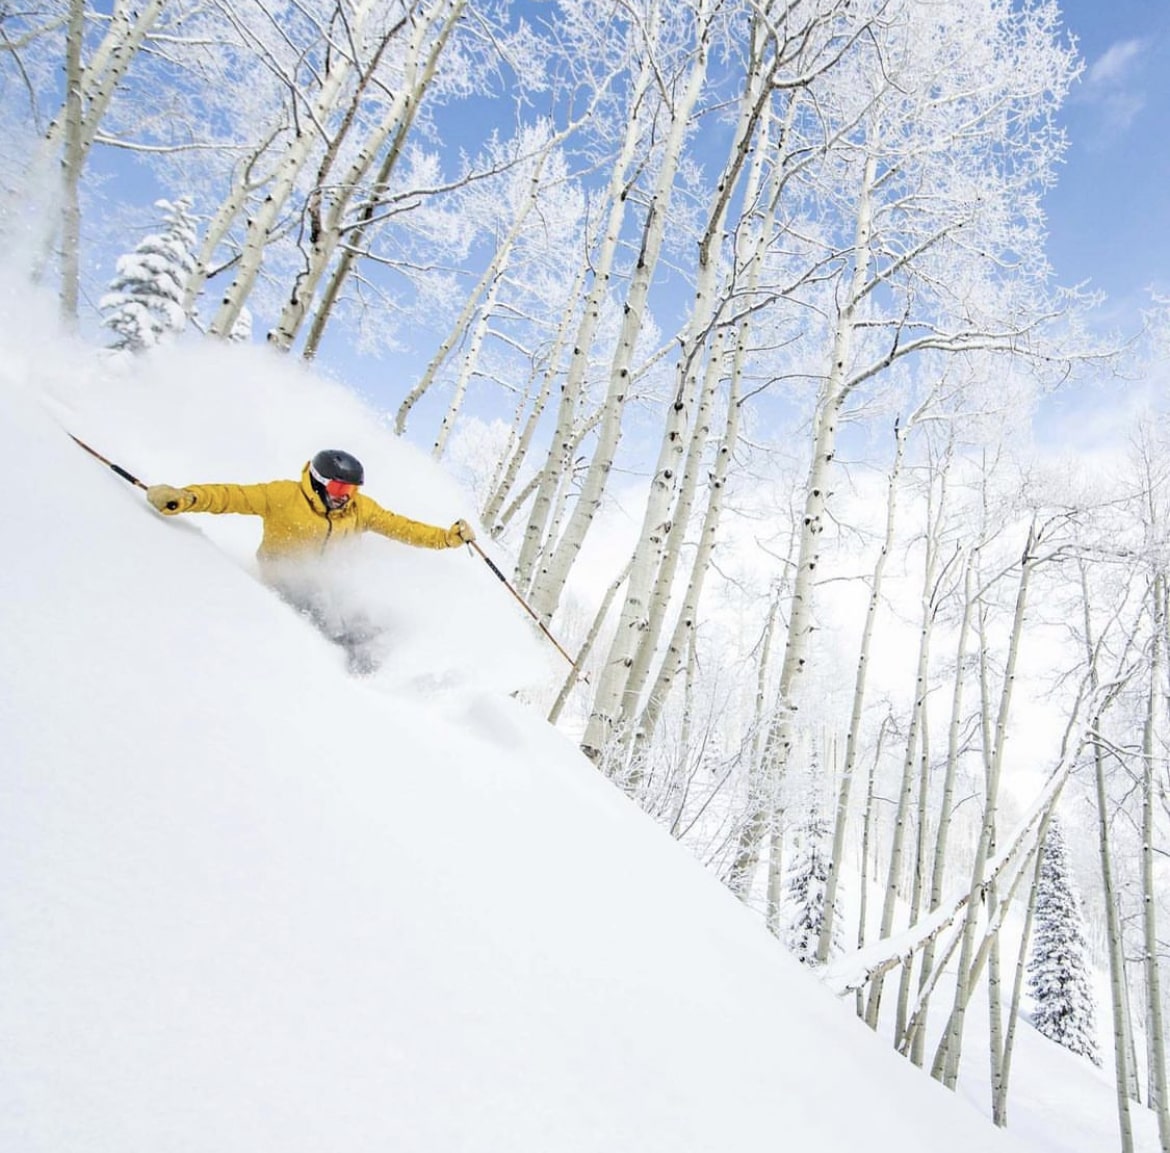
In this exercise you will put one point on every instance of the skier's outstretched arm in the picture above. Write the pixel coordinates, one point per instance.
(249, 499)
(391, 524)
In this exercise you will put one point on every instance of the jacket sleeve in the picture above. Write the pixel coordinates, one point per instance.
(250, 499)
(381, 520)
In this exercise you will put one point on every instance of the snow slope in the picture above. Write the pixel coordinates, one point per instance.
(253, 905)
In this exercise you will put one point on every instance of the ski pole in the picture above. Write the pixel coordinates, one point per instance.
(109, 463)
(528, 608)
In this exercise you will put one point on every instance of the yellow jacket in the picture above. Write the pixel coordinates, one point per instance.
(296, 520)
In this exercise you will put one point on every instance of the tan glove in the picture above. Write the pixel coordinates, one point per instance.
(460, 533)
(170, 501)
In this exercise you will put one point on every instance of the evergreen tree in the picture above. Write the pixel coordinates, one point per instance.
(807, 879)
(1058, 968)
(145, 299)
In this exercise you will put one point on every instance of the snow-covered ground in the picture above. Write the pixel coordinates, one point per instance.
(251, 904)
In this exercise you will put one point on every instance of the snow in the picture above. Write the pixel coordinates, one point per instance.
(251, 903)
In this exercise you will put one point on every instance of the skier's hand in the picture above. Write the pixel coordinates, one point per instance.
(460, 533)
(169, 501)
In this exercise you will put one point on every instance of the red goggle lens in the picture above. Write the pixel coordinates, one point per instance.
(338, 489)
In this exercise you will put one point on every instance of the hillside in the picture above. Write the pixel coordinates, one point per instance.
(254, 904)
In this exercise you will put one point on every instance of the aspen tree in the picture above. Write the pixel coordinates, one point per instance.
(539, 536)
(689, 682)
(946, 799)
(245, 182)
(933, 598)
(1153, 482)
(89, 87)
(509, 467)
(756, 231)
(550, 580)
(972, 606)
(929, 607)
(330, 203)
(72, 159)
(625, 669)
(1121, 1061)
(586, 648)
(682, 638)
(396, 125)
(125, 34)
(948, 1055)
(758, 234)
(829, 404)
(1001, 1072)
(1014, 863)
(866, 833)
(841, 816)
(990, 829)
(1155, 704)
(579, 432)
(635, 736)
(937, 88)
(532, 204)
(339, 67)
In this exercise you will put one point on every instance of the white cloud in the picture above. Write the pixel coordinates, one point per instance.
(1114, 67)
(1112, 85)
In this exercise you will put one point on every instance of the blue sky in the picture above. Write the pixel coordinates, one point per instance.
(1109, 216)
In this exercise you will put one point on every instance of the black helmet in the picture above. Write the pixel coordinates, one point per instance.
(334, 464)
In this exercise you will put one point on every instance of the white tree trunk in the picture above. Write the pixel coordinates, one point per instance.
(906, 791)
(550, 580)
(1151, 757)
(89, 87)
(946, 803)
(587, 648)
(829, 404)
(1121, 1060)
(841, 819)
(299, 151)
(540, 534)
(243, 185)
(125, 35)
(624, 672)
(685, 623)
(949, 1053)
(867, 827)
(72, 159)
(469, 363)
(505, 482)
(681, 640)
(1001, 1082)
(329, 227)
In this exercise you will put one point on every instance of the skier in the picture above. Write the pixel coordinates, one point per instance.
(301, 520)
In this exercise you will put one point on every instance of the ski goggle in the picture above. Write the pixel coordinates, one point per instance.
(339, 490)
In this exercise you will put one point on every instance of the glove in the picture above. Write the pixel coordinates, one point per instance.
(460, 533)
(170, 501)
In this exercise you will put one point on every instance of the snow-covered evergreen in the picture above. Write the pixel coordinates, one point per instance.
(806, 883)
(144, 301)
(1058, 968)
